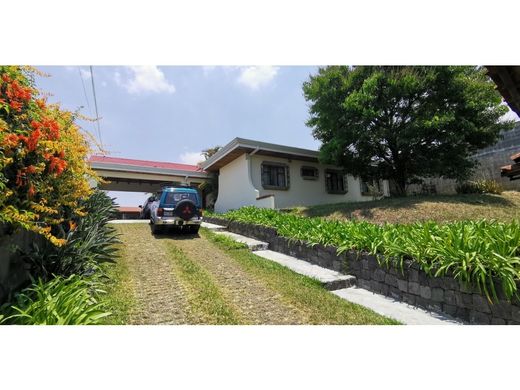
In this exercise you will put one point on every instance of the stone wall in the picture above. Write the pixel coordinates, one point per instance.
(411, 284)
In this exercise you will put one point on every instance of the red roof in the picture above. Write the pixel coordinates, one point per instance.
(129, 209)
(145, 163)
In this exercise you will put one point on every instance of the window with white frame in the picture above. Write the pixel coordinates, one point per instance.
(275, 176)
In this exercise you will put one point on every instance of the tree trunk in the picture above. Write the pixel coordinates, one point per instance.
(400, 184)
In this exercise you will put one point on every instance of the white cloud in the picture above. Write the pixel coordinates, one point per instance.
(255, 77)
(191, 158)
(144, 79)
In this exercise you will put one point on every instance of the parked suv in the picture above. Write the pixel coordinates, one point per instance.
(146, 208)
(177, 206)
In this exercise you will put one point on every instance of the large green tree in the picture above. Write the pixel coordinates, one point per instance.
(404, 123)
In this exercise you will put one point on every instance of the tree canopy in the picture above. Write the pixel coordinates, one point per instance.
(404, 123)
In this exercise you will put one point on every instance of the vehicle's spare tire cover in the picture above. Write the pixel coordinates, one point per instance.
(185, 209)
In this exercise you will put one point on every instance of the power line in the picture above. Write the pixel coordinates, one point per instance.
(95, 105)
(85, 91)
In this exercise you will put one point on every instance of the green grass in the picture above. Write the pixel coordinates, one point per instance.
(118, 285)
(484, 254)
(308, 295)
(438, 208)
(203, 294)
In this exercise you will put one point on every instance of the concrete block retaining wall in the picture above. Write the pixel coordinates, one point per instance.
(411, 285)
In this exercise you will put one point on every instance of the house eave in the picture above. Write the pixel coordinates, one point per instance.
(239, 146)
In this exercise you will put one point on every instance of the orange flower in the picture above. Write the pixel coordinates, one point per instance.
(6, 78)
(16, 105)
(57, 165)
(31, 169)
(31, 191)
(35, 125)
(72, 225)
(53, 127)
(32, 142)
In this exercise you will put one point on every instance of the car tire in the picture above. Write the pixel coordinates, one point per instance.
(156, 229)
(194, 229)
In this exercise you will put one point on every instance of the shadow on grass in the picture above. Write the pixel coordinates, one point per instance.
(174, 234)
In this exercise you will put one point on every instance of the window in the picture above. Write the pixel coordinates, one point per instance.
(335, 182)
(172, 198)
(309, 173)
(275, 176)
(371, 187)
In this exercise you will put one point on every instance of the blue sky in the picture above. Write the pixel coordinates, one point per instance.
(171, 113)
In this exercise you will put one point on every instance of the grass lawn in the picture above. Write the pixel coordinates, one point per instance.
(439, 208)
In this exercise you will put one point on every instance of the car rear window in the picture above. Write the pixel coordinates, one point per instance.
(172, 198)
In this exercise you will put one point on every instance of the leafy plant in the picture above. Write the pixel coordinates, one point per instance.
(61, 301)
(89, 242)
(482, 253)
(479, 187)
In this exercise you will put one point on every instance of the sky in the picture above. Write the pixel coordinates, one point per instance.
(171, 113)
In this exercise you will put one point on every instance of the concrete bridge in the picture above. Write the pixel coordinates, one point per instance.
(122, 174)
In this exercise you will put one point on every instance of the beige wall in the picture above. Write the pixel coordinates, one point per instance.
(303, 192)
(240, 184)
(234, 186)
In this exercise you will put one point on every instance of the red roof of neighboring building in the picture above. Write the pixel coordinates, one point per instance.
(145, 163)
(129, 209)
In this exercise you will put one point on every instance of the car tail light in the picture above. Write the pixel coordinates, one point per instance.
(160, 212)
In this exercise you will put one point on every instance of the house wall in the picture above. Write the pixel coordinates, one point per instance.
(303, 192)
(235, 188)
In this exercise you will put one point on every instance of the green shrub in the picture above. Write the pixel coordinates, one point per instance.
(61, 301)
(479, 187)
(483, 253)
(90, 242)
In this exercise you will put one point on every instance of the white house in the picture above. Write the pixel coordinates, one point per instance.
(254, 173)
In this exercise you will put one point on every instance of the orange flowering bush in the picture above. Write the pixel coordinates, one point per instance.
(43, 158)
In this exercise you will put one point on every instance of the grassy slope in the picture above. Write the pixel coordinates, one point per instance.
(439, 208)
